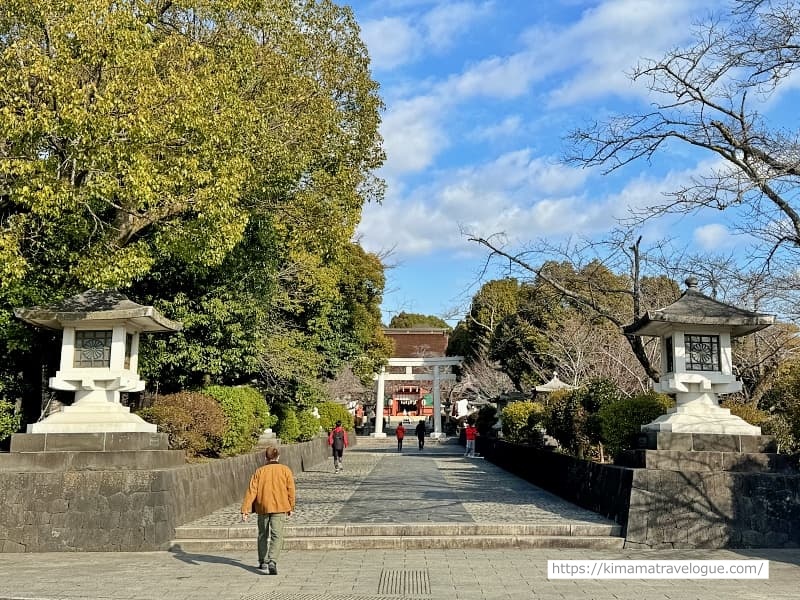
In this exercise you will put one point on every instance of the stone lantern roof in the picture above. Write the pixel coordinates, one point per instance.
(695, 308)
(101, 307)
(554, 385)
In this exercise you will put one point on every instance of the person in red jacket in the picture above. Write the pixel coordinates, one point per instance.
(337, 440)
(471, 432)
(400, 432)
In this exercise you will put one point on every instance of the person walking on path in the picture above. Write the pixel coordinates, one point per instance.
(271, 495)
(400, 432)
(420, 430)
(337, 440)
(471, 432)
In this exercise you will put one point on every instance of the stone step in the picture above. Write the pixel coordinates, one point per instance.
(562, 528)
(407, 535)
(415, 542)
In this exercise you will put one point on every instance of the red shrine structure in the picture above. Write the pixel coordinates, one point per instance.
(413, 398)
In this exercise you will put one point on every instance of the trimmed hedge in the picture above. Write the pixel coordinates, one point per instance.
(330, 412)
(10, 419)
(308, 425)
(193, 421)
(621, 421)
(288, 426)
(247, 415)
(520, 420)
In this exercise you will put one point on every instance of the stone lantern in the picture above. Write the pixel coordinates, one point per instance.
(554, 385)
(99, 356)
(696, 364)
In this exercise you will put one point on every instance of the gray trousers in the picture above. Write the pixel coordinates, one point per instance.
(270, 536)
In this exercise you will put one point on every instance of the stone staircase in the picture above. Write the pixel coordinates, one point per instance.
(429, 499)
(406, 536)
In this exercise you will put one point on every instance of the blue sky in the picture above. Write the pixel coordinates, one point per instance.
(479, 96)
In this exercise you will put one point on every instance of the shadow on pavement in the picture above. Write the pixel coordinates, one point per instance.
(196, 559)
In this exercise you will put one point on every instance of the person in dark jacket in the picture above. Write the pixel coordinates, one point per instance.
(420, 431)
(337, 440)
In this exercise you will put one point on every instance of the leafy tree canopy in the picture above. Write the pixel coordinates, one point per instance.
(406, 320)
(208, 156)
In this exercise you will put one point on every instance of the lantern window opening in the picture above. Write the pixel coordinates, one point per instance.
(92, 349)
(128, 349)
(670, 352)
(702, 352)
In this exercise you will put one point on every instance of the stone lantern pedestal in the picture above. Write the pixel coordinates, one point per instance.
(702, 477)
(99, 360)
(696, 361)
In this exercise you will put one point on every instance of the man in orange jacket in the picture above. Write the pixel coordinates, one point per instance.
(271, 494)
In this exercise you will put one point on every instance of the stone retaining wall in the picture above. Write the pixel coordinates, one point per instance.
(604, 489)
(667, 508)
(723, 509)
(126, 510)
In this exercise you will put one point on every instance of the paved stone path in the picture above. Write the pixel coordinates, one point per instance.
(363, 575)
(438, 484)
(443, 485)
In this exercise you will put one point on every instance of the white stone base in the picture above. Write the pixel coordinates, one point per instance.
(377, 434)
(267, 437)
(700, 413)
(92, 417)
(437, 435)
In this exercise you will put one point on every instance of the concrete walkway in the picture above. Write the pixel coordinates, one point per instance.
(380, 487)
(435, 498)
(371, 575)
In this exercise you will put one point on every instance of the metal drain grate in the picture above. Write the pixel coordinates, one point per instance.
(404, 583)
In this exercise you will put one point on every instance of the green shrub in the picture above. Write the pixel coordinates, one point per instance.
(486, 419)
(288, 427)
(781, 429)
(566, 420)
(520, 419)
(621, 421)
(330, 412)
(596, 394)
(193, 421)
(10, 419)
(749, 413)
(246, 413)
(308, 425)
(573, 417)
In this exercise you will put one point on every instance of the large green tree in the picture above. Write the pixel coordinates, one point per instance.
(404, 320)
(209, 156)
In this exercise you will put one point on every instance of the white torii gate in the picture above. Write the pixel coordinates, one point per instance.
(436, 362)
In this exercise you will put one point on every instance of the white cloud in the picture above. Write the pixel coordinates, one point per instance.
(392, 41)
(494, 77)
(508, 127)
(587, 59)
(397, 40)
(713, 237)
(519, 194)
(609, 40)
(447, 21)
(413, 134)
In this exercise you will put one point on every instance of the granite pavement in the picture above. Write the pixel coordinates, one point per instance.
(437, 484)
